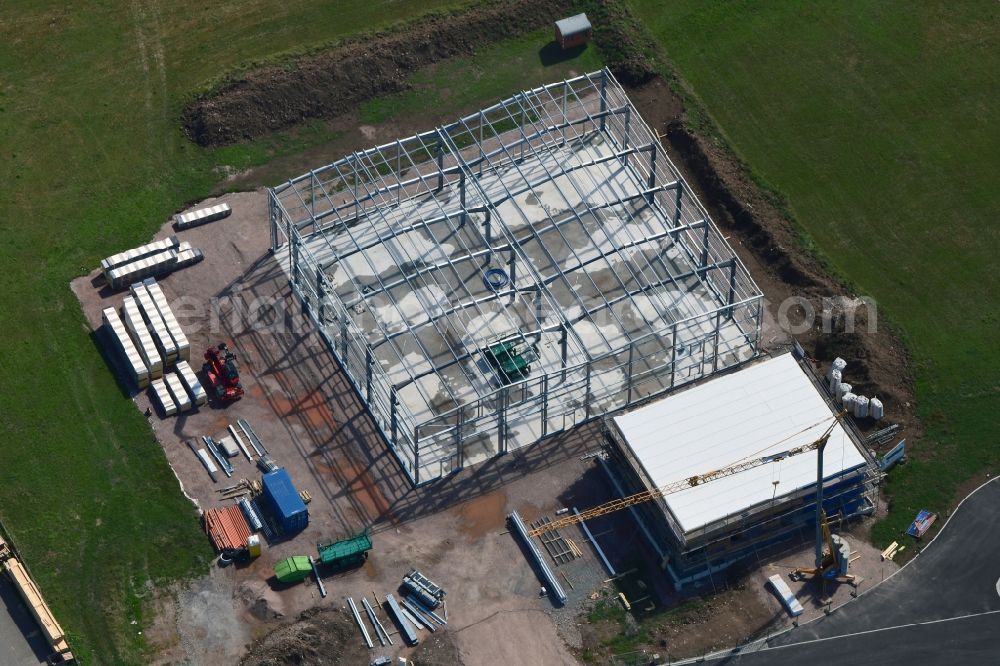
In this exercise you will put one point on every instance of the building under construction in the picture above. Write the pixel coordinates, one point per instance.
(528, 267)
(755, 416)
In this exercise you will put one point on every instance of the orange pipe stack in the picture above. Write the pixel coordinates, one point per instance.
(226, 527)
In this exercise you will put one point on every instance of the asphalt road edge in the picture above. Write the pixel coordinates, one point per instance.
(759, 643)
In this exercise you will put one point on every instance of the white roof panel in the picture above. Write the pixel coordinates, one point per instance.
(766, 408)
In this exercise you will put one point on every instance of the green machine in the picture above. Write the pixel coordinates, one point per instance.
(293, 569)
(345, 553)
(510, 362)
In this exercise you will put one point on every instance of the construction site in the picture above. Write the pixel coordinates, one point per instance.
(512, 358)
(510, 275)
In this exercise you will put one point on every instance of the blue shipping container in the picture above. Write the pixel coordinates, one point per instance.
(288, 507)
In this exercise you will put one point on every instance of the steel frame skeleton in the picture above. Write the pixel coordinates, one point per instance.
(615, 273)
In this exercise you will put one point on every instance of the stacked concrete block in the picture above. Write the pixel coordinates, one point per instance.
(176, 333)
(194, 388)
(161, 334)
(201, 216)
(177, 392)
(142, 263)
(162, 395)
(140, 335)
(138, 372)
(137, 253)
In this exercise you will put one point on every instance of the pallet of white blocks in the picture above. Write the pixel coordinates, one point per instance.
(142, 338)
(178, 392)
(190, 379)
(136, 253)
(160, 263)
(180, 340)
(163, 399)
(201, 216)
(161, 334)
(119, 335)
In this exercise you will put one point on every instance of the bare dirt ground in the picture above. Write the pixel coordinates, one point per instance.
(314, 425)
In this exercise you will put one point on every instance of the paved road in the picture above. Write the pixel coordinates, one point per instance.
(943, 608)
(21, 641)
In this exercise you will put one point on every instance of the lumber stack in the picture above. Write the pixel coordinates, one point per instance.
(227, 527)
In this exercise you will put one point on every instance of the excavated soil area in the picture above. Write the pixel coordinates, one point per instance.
(331, 82)
(320, 637)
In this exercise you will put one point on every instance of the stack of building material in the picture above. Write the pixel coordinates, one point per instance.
(161, 334)
(228, 446)
(141, 252)
(226, 527)
(201, 216)
(143, 340)
(162, 395)
(134, 364)
(422, 587)
(178, 392)
(157, 263)
(180, 340)
(191, 383)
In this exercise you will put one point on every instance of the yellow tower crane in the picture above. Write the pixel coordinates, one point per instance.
(697, 480)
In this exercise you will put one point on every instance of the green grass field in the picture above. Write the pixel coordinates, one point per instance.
(93, 162)
(880, 124)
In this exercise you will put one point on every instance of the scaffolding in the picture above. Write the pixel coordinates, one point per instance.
(526, 268)
(705, 551)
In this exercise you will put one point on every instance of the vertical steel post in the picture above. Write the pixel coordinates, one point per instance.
(564, 342)
(489, 235)
(604, 99)
(416, 454)
(545, 404)
(651, 181)
(819, 504)
(718, 325)
(320, 295)
(393, 418)
(461, 199)
(343, 338)
(272, 210)
(564, 114)
(291, 253)
(704, 245)
(312, 195)
(586, 394)
(440, 163)
(631, 353)
(459, 445)
(677, 202)
(732, 284)
(369, 362)
(673, 353)
(502, 421)
(625, 135)
(513, 280)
